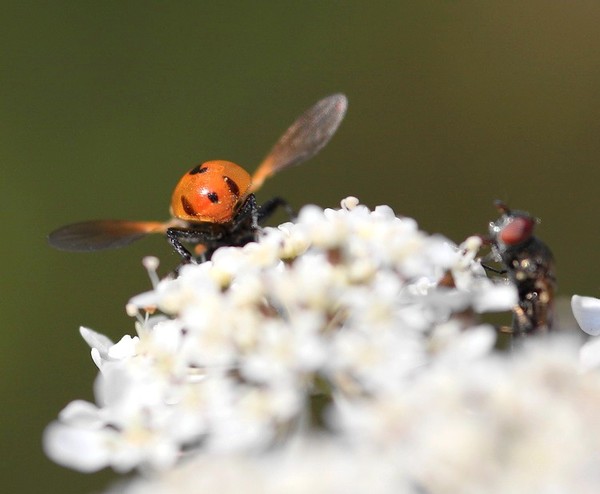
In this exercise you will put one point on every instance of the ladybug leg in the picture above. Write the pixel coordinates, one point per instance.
(192, 235)
(173, 235)
(248, 211)
(269, 207)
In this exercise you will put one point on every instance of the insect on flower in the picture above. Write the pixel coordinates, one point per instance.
(213, 205)
(529, 264)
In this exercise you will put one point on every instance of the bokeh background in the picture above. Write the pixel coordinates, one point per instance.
(105, 104)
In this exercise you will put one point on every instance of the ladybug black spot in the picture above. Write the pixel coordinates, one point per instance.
(233, 187)
(213, 197)
(187, 207)
(198, 169)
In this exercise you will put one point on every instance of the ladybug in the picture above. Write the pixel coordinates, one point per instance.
(529, 264)
(214, 205)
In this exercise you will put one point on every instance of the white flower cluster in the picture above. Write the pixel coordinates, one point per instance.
(349, 322)
(488, 424)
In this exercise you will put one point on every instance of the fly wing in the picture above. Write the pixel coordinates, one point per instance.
(101, 234)
(304, 138)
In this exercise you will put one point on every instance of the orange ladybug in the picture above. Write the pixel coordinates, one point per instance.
(213, 205)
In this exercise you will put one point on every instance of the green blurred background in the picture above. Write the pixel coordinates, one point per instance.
(105, 104)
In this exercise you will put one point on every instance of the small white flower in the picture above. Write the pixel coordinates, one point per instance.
(349, 203)
(104, 350)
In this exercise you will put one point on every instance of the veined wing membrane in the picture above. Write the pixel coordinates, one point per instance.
(304, 138)
(102, 234)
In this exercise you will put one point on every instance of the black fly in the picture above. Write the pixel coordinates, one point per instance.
(529, 264)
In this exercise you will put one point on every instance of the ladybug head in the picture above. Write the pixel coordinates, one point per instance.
(211, 192)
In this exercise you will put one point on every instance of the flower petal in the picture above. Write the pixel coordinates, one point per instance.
(96, 340)
(82, 449)
(587, 313)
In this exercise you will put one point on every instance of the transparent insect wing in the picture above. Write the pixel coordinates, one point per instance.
(304, 138)
(101, 234)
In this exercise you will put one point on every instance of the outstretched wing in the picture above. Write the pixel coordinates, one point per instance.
(304, 138)
(101, 234)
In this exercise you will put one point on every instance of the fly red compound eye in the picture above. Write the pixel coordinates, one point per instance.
(516, 231)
